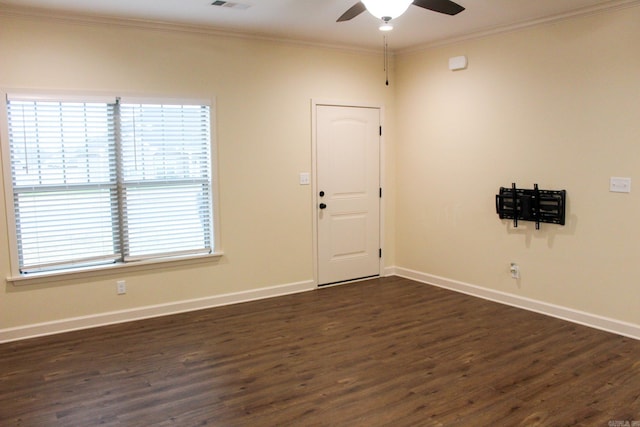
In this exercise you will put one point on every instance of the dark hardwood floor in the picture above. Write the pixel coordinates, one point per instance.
(381, 352)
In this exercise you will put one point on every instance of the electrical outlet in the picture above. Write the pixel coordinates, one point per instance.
(121, 287)
(514, 269)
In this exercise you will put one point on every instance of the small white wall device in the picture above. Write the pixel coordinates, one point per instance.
(458, 63)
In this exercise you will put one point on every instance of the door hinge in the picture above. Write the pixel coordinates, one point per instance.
(380, 253)
(380, 130)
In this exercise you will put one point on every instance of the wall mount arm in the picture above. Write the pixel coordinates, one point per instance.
(535, 205)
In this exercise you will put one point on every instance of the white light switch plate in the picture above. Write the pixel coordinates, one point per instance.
(305, 178)
(620, 185)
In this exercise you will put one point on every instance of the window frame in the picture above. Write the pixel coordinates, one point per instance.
(16, 277)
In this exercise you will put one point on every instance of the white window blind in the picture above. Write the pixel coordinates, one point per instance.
(62, 163)
(100, 182)
(166, 179)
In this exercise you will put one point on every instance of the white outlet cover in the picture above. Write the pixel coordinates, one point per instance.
(121, 287)
(620, 184)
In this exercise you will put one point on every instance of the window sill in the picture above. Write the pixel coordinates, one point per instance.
(103, 270)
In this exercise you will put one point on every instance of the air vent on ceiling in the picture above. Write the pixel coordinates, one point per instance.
(230, 4)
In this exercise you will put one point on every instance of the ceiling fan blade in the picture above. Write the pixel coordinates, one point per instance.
(443, 6)
(353, 11)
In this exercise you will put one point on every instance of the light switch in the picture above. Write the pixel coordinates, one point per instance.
(305, 178)
(620, 185)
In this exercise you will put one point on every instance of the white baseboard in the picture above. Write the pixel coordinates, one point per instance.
(576, 316)
(66, 325)
(388, 271)
(109, 318)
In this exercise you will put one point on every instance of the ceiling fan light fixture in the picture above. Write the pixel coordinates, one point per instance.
(385, 27)
(387, 8)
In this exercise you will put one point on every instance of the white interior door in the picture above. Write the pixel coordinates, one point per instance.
(348, 199)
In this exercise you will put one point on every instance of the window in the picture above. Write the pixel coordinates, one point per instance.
(104, 181)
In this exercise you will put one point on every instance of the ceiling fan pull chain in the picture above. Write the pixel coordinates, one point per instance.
(386, 60)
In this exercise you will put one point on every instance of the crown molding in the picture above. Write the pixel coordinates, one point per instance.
(164, 26)
(613, 5)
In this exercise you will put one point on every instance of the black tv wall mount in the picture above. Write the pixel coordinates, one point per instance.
(531, 205)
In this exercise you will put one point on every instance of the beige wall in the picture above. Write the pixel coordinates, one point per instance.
(263, 91)
(557, 105)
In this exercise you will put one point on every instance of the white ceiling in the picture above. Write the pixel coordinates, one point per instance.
(315, 20)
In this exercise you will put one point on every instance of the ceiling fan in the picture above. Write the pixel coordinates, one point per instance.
(389, 9)
(386, 10)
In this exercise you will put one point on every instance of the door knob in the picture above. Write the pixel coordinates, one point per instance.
(322, 206)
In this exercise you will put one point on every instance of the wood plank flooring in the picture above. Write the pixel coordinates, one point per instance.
(384, 352)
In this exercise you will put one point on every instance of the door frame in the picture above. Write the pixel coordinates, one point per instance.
(314, 181)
